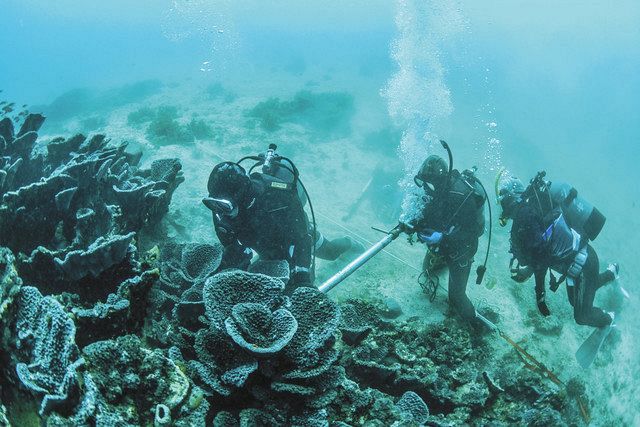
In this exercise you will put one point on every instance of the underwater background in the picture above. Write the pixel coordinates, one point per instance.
(340, 87)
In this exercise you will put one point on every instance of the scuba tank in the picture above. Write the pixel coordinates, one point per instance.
(277, 175)
(580, 214)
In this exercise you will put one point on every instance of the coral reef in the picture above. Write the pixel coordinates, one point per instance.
(413, 408)
(441, 365)
(9, 283)
(71, 211)
(105, 331)
(78, 102)
(216, 91)
(327, 114)
(128, 375)
(176, 302)
(257, 352)
(46, 353)
(256, 329)
(163, 127)
(83, 202)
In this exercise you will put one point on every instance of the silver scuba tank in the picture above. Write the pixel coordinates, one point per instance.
(579, 213)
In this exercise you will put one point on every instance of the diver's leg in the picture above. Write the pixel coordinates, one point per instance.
(583, 310)
(571, 295)
(458, 276)
(609, 275)
(332, 249)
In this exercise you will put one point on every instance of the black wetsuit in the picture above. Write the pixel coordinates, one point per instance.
(548, 243)
(274, 225)
(457, 211)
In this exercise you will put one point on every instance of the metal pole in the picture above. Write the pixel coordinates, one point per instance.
(358, 262)
(488, 322)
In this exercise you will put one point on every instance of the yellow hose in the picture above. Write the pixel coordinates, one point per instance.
(498, 176)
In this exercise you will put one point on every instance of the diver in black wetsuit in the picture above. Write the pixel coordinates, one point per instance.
(551, 230)
(451, 223)
(264, 212)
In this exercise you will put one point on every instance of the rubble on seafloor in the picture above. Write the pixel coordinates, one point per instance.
(95, 331)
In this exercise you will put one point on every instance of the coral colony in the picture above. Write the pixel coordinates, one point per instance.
(97, 331)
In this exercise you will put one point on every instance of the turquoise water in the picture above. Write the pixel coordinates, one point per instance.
(523, 85)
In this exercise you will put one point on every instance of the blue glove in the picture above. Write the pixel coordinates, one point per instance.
(430, 239)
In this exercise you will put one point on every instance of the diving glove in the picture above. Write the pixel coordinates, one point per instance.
(432, 238)
(521, 274)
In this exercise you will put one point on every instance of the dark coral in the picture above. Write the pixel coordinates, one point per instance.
(9, 284)
(68, 229)
(83, 101)
(123, 369)
(256, 329)
(177, 304)
(228, 288)
(89, 189)
(165, 129)
(256, 346)
(328, 114)
(109, 334)
(441, 365)
(83, 202)
(47, 357)
(413, 408)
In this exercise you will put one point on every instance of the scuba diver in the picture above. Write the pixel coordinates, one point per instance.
(264, 212)
(383, 192)
(551, 230)
(451, 222)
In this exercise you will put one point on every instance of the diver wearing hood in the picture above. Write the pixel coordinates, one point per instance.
(551, 230)
(264, 212)
(451, 223)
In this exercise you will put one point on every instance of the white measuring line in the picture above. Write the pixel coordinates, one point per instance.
(368, 242)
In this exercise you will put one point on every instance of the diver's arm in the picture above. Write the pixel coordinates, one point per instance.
(234, 255)
(540, 275)
(302, 242)
(301, 261)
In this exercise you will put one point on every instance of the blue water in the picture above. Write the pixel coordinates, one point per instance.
(517, 84)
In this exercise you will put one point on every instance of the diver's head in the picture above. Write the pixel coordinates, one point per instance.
(432, 174)
(509, 190)
(229, 189)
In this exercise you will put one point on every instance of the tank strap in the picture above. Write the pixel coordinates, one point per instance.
(319, 241)
(575, 269)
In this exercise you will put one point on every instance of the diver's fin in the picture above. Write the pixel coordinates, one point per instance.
(587, 352)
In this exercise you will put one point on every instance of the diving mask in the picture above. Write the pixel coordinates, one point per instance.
(221, 207)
